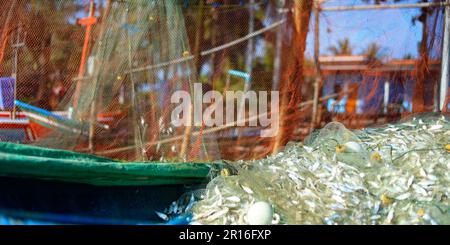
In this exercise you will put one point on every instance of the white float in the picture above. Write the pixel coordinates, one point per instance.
(260, 213)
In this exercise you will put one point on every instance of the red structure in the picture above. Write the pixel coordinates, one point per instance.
(88, 22)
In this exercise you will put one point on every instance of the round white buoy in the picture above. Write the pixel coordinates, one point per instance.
(352, 146)
(260, 213)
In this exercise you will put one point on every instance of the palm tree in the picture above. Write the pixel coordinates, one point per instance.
(374, 52)
(343, 47)
(379, 1)
(422, 69)
(408, 56)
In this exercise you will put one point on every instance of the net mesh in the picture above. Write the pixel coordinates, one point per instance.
(112, 88)
(133, 35)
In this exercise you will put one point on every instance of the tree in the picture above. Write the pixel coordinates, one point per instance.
(423, 72)
(408, 56)
(343, 47)
(5, 31)
(374, 52)
(380, 1)
(422, 66)
(50, 44)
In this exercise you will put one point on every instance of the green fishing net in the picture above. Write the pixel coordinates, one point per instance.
(397, 174)
(140, 56)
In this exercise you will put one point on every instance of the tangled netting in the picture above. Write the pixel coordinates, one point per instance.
(122, 108)
(398, 174)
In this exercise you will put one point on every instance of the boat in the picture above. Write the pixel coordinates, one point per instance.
(69, 187)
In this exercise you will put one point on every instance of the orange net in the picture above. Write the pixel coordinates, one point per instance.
(127, 58)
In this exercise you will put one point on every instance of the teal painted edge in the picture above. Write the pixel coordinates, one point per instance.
(27, 161)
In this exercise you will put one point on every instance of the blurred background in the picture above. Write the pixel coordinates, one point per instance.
(360, 62)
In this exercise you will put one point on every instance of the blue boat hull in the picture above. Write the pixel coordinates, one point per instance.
(74, 203)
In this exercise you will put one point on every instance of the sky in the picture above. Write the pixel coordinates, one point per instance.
(391, 29)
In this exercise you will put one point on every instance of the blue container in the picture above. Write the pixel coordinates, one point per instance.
(7, 93)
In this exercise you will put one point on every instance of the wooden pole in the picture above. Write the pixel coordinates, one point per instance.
(277, 59)
(291, 85)
(418, 100)
(18, 44)
(197, 65)
(137, 127)
(5, 31)
(250, 53)
(318, 78)
(445, 60)
(199, 37)
(93, 111)
(88, 22)
(248, 63)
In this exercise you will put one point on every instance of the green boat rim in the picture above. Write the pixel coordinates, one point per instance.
(19, 160)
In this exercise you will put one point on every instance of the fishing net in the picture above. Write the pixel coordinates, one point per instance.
(397, 174)
(132, 36)
(106, 90)
(97, 77)
(378, 79)
(118, 105)
(104, 73)
(40, 46)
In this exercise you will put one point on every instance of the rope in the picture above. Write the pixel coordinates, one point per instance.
(209, 130)
(210, 51)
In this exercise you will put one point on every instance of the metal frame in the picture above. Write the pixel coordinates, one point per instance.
(379, 7)
(445, 46)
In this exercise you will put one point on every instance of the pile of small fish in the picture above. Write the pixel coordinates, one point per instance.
(398, 174)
